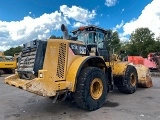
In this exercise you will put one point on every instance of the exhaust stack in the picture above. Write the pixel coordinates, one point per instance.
(65, 32)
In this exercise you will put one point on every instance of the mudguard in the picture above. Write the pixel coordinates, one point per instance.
(77, 66)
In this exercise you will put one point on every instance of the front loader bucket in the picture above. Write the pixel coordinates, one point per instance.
(39, 86)
(145, 83)
(144, 76)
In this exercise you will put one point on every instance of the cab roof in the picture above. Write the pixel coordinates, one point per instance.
(90, 28)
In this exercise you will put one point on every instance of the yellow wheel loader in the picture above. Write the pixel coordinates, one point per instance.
(7, 66)
(80, 66)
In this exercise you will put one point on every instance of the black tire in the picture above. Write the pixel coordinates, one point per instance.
(83, 96)
(130, 80)
(9, 71)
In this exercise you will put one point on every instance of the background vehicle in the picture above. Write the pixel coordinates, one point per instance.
(152, 62)
(155, 58)
(81, 67)
(7, 64)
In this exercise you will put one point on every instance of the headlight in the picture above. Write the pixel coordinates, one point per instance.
(41, 75)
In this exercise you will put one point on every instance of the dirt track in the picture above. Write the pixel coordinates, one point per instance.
(16, 104)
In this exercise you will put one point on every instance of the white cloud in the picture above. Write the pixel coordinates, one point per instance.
(122, 10)
(77, 13)
(78, 24)
(123, 38)
(110, 3)
(15, 33)
(96, 23)
(119, 26)
(150, 17)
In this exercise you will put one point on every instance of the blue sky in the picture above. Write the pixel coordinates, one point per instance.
(25, 20)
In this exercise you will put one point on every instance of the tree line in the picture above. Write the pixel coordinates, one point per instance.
(141, 42)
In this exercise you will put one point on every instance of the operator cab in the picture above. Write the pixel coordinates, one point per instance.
(94, 38)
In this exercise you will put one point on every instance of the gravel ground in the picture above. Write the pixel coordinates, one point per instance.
(17, 104)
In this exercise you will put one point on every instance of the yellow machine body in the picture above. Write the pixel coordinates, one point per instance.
(6, 66)
(144, 76)
(57, 75)
(119, 68)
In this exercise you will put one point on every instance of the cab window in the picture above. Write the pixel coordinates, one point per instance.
(100, 39)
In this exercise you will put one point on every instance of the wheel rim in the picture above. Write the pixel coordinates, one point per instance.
(133, 79)
(96, 88)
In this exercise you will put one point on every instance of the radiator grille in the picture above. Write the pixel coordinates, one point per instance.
(61, 60)
(27, 61)
(31, 59)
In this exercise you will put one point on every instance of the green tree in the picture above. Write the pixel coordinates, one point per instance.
(113, 41)
(157, 45)
(53, 37)
(141, 42)
(56, 37)
(12, 51)
(59, 37)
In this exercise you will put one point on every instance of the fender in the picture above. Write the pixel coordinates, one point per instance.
(119, 68)
(78, 64)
